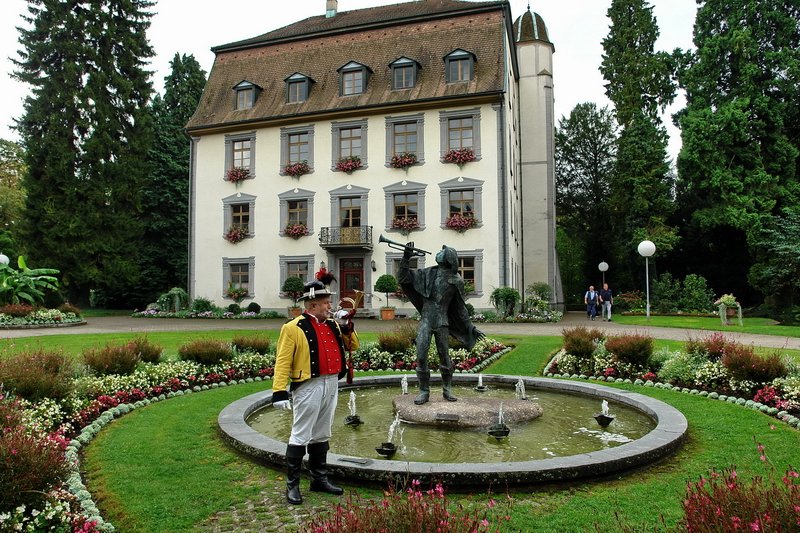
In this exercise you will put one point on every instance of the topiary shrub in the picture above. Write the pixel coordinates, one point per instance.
(253, 307)
(118, 359)
(505, 300)
(148, 351)
(205, 351)
(252, 343)
(202, 305)
(581, 342)
(386, 283)
(234, 308)
(633, 349)
(33, 463)
(38, 374)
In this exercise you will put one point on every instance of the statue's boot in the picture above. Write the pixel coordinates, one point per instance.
(318, 466)
(447, 384)
(424, 387)
(294, 463)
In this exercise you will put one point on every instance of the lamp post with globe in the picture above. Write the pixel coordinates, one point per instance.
(647, 249)
(602, 267)
(4, 260)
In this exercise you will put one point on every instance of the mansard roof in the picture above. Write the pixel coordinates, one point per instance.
(424, 31)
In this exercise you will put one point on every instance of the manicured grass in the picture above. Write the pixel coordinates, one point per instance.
(164, 467)
(91, 312)
(756, 325)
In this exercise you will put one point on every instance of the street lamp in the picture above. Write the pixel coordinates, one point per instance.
(647, 249)
(4, 259)
(603, 267)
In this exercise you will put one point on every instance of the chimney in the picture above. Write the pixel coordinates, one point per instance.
(330, 8)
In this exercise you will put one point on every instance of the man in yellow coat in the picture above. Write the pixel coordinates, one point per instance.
(309, 362)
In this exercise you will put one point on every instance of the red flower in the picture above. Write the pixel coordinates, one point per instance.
(237, 174)
(460, 156)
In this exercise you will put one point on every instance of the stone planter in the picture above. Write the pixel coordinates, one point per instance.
(293, 312)
(387, 313)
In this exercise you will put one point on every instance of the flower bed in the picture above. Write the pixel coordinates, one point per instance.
(714, 367)
(217, 313)
(40, 317)
(371, 357)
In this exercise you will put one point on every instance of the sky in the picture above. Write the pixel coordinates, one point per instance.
(576, 29)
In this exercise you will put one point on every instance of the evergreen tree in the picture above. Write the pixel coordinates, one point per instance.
(12, 197)
(86, 131)
(585, 144)
(738, 165)
(166, 196)
(639, 84)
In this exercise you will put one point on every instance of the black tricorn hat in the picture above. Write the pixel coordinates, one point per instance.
(315, 289)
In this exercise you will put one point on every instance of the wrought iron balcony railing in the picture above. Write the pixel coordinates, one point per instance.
(340, 236)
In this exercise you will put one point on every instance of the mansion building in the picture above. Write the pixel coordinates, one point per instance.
(428, 121)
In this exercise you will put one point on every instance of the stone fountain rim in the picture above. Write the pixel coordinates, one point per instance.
(668, 435)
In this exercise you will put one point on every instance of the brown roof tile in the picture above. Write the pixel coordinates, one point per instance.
(426, 42)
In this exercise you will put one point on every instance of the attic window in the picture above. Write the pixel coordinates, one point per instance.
(404, 73)
(246, 94)
(459, 66)
(353, 78)
(298, 87)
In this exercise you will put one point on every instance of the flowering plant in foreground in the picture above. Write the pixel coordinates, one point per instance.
(459, 156)
(460, 222)
(237, 174)
(349, 164)
(297, 169)
(412, 510)
(404, 160)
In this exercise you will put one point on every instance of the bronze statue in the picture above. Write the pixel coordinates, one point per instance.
(438, 294)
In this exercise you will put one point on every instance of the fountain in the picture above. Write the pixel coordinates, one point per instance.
(462, 458)
(603, 417)
(352, 419)
(520, 389)
(387, 449)
(481, 387)
(404, 384)
(499, 430)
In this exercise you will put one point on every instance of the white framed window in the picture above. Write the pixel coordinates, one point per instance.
(459, 66)
(405, 134)
(296, 207)
(353, 79)
(297, 145)
(405, 199)
(349, 140)
(240, 152)
(463, 196)
(239, 210)
(404, 73)
(245, 94)
(238, 272)
(460, 129)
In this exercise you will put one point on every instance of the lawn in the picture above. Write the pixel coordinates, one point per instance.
(165, 468)
(756, 325)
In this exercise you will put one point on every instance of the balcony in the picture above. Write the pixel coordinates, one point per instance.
(358, 237)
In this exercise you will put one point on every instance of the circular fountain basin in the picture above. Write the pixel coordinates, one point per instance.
(667, 435)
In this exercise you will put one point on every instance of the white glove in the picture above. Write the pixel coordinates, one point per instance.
(286, 405)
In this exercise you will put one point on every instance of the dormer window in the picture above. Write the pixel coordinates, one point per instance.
(353, 78)
(404, 73)
(459, 66)
(246, 94)
(298, 87)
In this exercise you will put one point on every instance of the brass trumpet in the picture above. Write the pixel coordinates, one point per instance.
(410, 246)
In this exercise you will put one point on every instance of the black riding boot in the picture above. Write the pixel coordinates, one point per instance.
(447, 383)
(424, 379)
(318, 466)
(294, 463)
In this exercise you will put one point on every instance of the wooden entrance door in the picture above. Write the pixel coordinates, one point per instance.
(351, 276)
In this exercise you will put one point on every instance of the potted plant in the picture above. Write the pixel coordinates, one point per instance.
(293, 288)
(728, 307)
(405, 224)
(237, 174)
(459, 156)
(460, 222)
(386, 283)
(349, 164)
(295, 231)
(237, 293)
(296, 170)
(403, 160)
(236, 234)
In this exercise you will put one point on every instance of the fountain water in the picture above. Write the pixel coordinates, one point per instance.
(520, 389)
(388, 448)
(353, 419)
(481, 387)
(499, 430)
(404, 384)
(603, 417)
